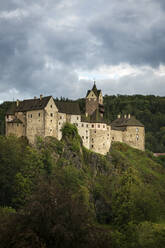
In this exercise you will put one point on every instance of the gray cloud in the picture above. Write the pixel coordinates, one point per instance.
(43, 45)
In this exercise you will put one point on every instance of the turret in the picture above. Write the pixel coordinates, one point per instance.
(94, 101)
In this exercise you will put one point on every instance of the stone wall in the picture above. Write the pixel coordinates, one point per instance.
(51, 119)
(35, 124)
(62, 118)
(15, 128)
(135, 137)
(117, 135)
(84, 132)
(100, 139)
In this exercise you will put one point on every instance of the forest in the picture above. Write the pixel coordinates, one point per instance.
(59, 194)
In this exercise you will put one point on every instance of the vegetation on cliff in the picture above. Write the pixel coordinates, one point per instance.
(59, 194)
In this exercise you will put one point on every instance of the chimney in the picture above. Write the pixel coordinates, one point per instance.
(129, 116)
(125, 116)
(17, 103)
(35, 97)
(118, 117)
(41, 97)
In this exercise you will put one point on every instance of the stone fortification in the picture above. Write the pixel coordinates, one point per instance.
(44, 116)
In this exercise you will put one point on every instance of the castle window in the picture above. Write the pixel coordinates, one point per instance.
(108, 134)
(92, 146)
(31, 115)
(95, 131)
(17, 124)
(86, 131)
(51, 114)
(82, 125)
(77, 118)
(92, 125)
(50, 130)
(82, 137)
(60, 117)
(86, 125)
(59, 123)
(51, 106)
(77, 124)
(50, 120)
(137, 137)
(92, 140)
(113, 138)
(103, 126)
(39, 114)
(98, 125)
(86, 137)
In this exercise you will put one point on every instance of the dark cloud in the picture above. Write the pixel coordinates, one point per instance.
(45, 44)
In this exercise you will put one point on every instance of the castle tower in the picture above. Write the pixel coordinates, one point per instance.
(94, 101)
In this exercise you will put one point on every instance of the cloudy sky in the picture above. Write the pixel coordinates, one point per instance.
(57, 47)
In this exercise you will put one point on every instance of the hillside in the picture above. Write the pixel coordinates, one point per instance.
(59, 194)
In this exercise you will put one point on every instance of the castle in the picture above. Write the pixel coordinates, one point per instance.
(45, 116)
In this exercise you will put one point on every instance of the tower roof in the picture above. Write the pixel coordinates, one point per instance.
(94, 89)
(124, 122)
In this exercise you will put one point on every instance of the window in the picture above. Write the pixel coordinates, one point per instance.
(86, 137)
(77, 118)
(17, 124)
(98, 125)
(50, 130)
(82, 137)
(113, 138)
(82, 125)
(50, 120)
(86, 131)
(137, 137)
(59, 123)
(39, 114)
(86, 125)
(92, 125)
(92, 146)
(95, 131)
(92, 140)
(60, 117)
(51, 114)
(51, 106)
(103, 126)
(137, 129)
(31, 115)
